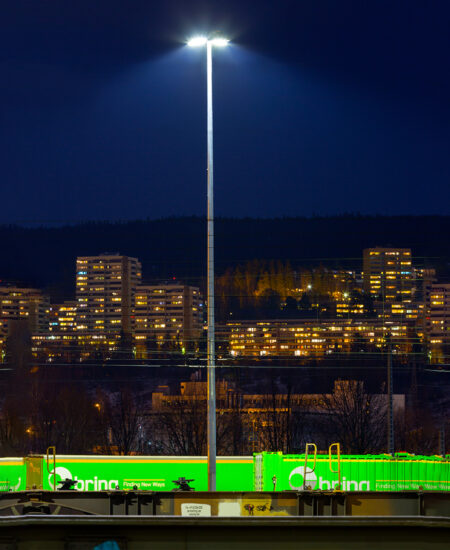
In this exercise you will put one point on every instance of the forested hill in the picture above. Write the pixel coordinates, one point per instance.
(45, 256)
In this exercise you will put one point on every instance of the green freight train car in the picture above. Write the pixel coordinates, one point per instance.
(401, 472)
(263, 472)
(100, 472)
(13, 474)
(153, 473)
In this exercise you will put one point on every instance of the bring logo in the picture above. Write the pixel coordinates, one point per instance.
(310, 481)
(82, 484)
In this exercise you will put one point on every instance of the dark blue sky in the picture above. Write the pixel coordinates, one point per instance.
(320, 107)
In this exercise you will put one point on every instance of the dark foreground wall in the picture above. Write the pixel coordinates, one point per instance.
(264, 504)
(225, 533)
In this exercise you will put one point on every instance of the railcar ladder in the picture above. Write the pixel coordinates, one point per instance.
(47, 459)
(305, 470)
(338, 458)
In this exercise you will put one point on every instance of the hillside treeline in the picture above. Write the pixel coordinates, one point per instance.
(273, 288)
(176, 247)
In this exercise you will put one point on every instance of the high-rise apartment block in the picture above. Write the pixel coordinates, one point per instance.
(60, 340)
(26, 307)
(24, 304)
(168, 314)
(438, 321)
(105, 287)
(388, 274)
(63, 317)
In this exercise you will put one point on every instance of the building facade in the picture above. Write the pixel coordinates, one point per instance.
(438, 322)
(311, 337)
(105, 288)
(28, 305)
(63, 317)
(168, 315)
(388, 275)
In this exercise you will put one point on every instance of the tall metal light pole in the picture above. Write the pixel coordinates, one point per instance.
(390, 384)
(211, 355)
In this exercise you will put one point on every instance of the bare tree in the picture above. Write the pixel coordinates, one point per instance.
(122, 422)
(18, 348)
(75, 421)
(179, 428)
(231, 425)
(280, 418)
(354, 417)
(42, 412)
(418, 434)
(12, 430)
(274, 421)
(281, 423)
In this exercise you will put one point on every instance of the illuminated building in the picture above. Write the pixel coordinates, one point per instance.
(310, 337)
(438, 321)
(411, 311)
(388, 274)
(347, 309)
(423, 278)
(169, 314)
(63, 317)
(105, 287)
(24, 304)
(344, 280)
(190, 392)
(60, 342)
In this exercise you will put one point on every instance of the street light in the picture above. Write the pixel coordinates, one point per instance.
(195, 42)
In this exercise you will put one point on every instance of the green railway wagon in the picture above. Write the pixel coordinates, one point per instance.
(400, 472)
(13, 474)
(152, 473)
(263, 472)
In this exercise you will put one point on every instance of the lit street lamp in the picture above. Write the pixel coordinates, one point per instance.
(199, 41)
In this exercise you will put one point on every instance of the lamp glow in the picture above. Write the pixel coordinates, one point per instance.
(220, 42)
(197, 41)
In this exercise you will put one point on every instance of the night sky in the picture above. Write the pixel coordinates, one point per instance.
(321, 107)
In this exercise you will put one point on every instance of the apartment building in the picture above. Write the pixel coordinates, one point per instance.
(105, 287)
(310, 337)
(63, 317)
(23, 304)
(170, 314)
(388, 275)
(438, 321)
(348, 308)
